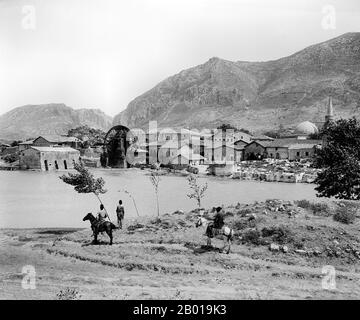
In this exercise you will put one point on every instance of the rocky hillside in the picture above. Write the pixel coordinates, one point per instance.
(32, 120)
(256, 95)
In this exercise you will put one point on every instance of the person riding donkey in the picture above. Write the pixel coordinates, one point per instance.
(217, 224)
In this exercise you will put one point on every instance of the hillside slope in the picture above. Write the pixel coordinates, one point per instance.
(32, 120)
(256, 95)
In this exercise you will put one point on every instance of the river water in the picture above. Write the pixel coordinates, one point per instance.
(40, 199)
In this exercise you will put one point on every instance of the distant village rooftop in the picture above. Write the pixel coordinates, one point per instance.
(54, 149)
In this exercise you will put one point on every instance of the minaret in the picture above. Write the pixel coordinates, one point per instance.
(330, 112)
(328, 119)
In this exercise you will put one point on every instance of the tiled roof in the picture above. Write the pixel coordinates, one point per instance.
(58, 138)
(55, 149)
(219, 144)
(264, 144)
(27, 142)
(191, 156)
(173, 144)
(287, 142)
(302, 146)
(150, 144)
(261, 137)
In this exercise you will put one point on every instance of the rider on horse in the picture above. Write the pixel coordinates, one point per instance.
(101, 216)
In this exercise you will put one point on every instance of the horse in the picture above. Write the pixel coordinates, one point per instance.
(106, 226)
(225, 233)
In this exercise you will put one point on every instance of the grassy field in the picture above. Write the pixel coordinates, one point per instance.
(279, 252)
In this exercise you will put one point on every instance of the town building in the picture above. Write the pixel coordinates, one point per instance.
(255, 150)
(136, 155)
(220, 152)
(169, 150)
(305, 129)
(292, 148)
(262, 138)
(51, 141)
(48, 158)
(25, 145)
(186, 156)
(3, 146)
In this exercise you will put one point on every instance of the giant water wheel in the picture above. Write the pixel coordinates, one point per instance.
(116, 144)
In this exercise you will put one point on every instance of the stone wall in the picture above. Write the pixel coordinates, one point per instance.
(283, 153)
(56, 160)
(295, 154)
(30, 159)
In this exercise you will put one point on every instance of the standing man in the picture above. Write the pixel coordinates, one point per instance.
(120, 212)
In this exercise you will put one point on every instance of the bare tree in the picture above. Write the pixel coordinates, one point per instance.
(198, 191)
(155, 180)
(132, 198)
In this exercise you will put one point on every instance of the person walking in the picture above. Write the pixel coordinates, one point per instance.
(120, 212)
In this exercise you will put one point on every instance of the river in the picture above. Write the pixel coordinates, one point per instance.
(31, 199)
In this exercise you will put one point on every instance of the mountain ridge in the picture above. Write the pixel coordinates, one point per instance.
(256, 95)
(29, 121)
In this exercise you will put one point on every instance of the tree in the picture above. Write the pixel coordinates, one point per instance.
(89, 136)
(155, 180)
(273, 134)
(15, 143)
(198, 191)
(339, 160)
(227, 126)
(132, 198)
(84, 181)
(316, 136)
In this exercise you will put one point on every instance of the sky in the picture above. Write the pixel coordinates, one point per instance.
(104, 53)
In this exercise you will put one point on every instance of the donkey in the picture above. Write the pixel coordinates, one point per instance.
(106, 226)
(225, 233)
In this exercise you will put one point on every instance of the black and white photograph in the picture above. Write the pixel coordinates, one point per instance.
(179, 150)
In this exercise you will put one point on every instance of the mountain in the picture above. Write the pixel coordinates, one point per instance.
(256, 95)
(33, 120)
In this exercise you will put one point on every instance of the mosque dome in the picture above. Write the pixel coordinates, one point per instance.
(306, 128)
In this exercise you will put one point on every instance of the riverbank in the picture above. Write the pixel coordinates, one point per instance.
(268, 170)
(279, 252)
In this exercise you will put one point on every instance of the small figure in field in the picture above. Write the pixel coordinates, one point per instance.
(120, 212)
(216, 228)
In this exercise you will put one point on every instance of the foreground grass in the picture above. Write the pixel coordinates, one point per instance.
(167, 257)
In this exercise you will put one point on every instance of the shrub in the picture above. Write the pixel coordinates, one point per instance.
(252, 236)
(350, 205)
(10, 158)
(305, 204)
(244, 212)
(345, 215)
(317, 208)
(280, 234)
(239, 225)
(229, 214)
(321, 209)
(68, 294)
